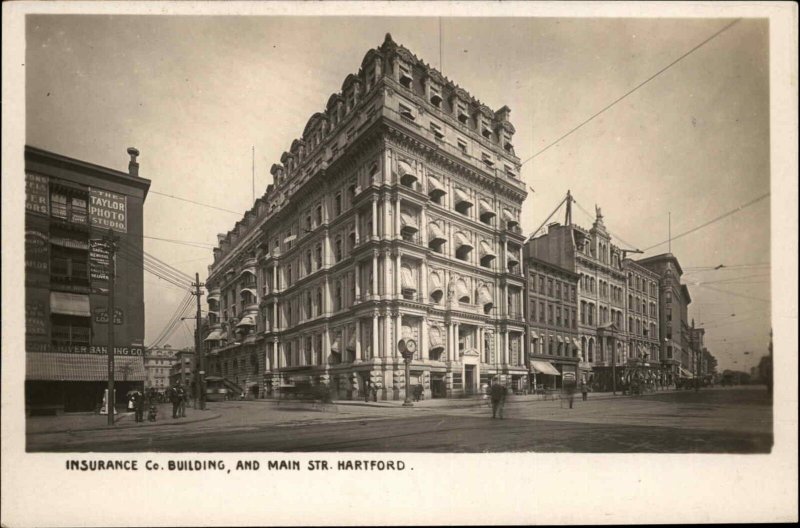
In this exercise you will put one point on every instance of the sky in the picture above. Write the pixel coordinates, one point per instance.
(196, 94)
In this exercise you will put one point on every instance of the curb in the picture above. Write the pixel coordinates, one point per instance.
(118, 427)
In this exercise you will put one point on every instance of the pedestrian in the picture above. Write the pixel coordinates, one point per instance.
(374, 392)
(569, 389)
(366, 391)
(174, 398)
(417, 392)
(182, 397)
(139, 406)
(498, 396)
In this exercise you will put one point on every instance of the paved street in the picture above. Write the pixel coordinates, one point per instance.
(712, 421)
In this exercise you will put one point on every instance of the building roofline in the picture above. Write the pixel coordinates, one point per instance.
(554, 266)
(662, 256)
(53, 158)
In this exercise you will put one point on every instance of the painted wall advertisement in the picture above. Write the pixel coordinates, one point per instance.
(101, 316)
(108, 210)
(83, 349)
(98, 260)
(36, 194)
(35, 319)
(37, 251)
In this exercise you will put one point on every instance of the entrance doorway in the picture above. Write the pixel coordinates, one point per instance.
(469, 379)
(438, 387)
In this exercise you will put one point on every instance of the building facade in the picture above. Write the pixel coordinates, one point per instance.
(642, 323)
(182, 370)
(157, 364)
(673, 302)
(553, 345)
(601, 293)
(71, 206)
(395, 216)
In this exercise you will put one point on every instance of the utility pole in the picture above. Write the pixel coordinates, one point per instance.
(200, 396)
(111, 244)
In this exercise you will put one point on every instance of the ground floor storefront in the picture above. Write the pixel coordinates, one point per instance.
(437, 379)
(48, 397)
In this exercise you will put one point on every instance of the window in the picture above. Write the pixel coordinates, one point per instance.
(67, 330)
(337, 204)
(533, 311)
(319, 256)
(338, 249)
(308, 263)
(487, 160)
(591, 314)
(319, 301)
(405, 76)
(462, 145)
(541, 312)
(58, 205)
(319, 215)
(436, 99)
(549, 314)
(558, 316)
(668, 297)
(549, 287)
(541, 284)
(486, 131)
(583, 312)
(406, 112)
(669, 315)
(69, 265)
(338, 296)
(573, 293)
(437, 131)
(558, 290)
(463, 116)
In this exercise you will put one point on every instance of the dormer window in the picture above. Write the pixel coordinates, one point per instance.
(487, 160)
(406, 112)
(436, 99)
(485, 130)
(463, 116)
(437, 131)
(405, 76)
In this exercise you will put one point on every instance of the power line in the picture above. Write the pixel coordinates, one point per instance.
(668, 66)
(587, 213)
(156, 262)
(196, 203)
(148, 264)
(734, 294)
(717, 219)
(198, 245)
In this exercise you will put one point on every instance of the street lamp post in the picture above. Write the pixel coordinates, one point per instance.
(407, 347)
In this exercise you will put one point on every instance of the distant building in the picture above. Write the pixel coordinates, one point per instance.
(551, 315)
(182, 369)
(674, 330)
(70, 207)
(158, 362)
(394, 217)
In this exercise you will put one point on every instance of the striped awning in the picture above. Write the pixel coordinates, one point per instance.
(336, 345)
(576, 343)
(434, 282)
(70, 304)
(534, 334)
(351, 342)
(462, 241)
(462, 291)
(486, 249)
(545, 367)
(251, 271)
(560, 339)
(462, 197)
(251, 291)
(486, 208)
(213, 296)
(53, 366)
(216, 335)
(408, 221)
(435, 186)
(435, 233)
(508, 216)
(247, 320)
(407, 279)
(485, 296)
(435, 337)
(405, 169)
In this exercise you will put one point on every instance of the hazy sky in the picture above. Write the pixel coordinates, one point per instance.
(194, 94)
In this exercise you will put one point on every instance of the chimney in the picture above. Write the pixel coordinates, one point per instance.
(503, 114)
(133, 165)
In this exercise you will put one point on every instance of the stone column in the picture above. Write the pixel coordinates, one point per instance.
(387, 338)
(397, 218)
(357, 280)
(374, 273)
(398, 331)
(505, 347)
(326, 296)
(387, 277)
(455, 341)
(423, 227)
(326, 345)
(423, 282)
(387, 220)
(449, 341)
(481, 351)
(375, 334)
(374, 217)
(358, 340)
(505, 255)
(358, 228)
(397, 279)
(423, 348)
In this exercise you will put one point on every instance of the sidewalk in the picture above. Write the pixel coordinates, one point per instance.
(69, 422)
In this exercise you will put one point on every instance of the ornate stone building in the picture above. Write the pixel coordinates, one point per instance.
(395, 216)
(644, 350)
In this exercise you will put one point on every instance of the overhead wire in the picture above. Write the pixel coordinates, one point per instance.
(183, 305)
(196, 203)
(588, 214)
(635, 88)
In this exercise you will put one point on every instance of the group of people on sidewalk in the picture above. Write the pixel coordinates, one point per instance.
(178, 396)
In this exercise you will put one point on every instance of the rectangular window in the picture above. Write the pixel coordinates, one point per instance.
(487, 160)
(558, 316)
(541, 312)
(58, 205)
(549, 314)
(550, 287)
(462, 145)
(67, 330)
(406, 112)
(437, 131)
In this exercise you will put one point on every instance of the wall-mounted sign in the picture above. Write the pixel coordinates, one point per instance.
(37, 251)
(35, 319)
(98, 260)
(36, 194)
(108, 210)
(101, 316)
(83, 349)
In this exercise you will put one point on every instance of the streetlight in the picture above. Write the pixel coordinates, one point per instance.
(407, 347)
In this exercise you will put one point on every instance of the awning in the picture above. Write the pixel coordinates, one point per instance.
(576, 343)
(69, 243)
(435, 186)
(351, 342)
(686, 374)
(545, 367)
(534, 334)
(407, 279)
(461, 197)
(486, 208)
(462, 291)
(70, 304)
(486, 249)
(508, 216)
(336, 345)
(216, 335)
(434, 282)
(560, 339)
(435, 233)
(405, 170)
(251, 290)
(252, 271)
(408, 221)
(81, 367)
(247, 320)
(213, 297)
(435, 337)
(485, 296)
(512, 257)
(463, 241)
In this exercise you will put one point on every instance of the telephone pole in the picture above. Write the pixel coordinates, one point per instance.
(200, 396)
(111, 241)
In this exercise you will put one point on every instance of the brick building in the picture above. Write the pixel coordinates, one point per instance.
(70, 207)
